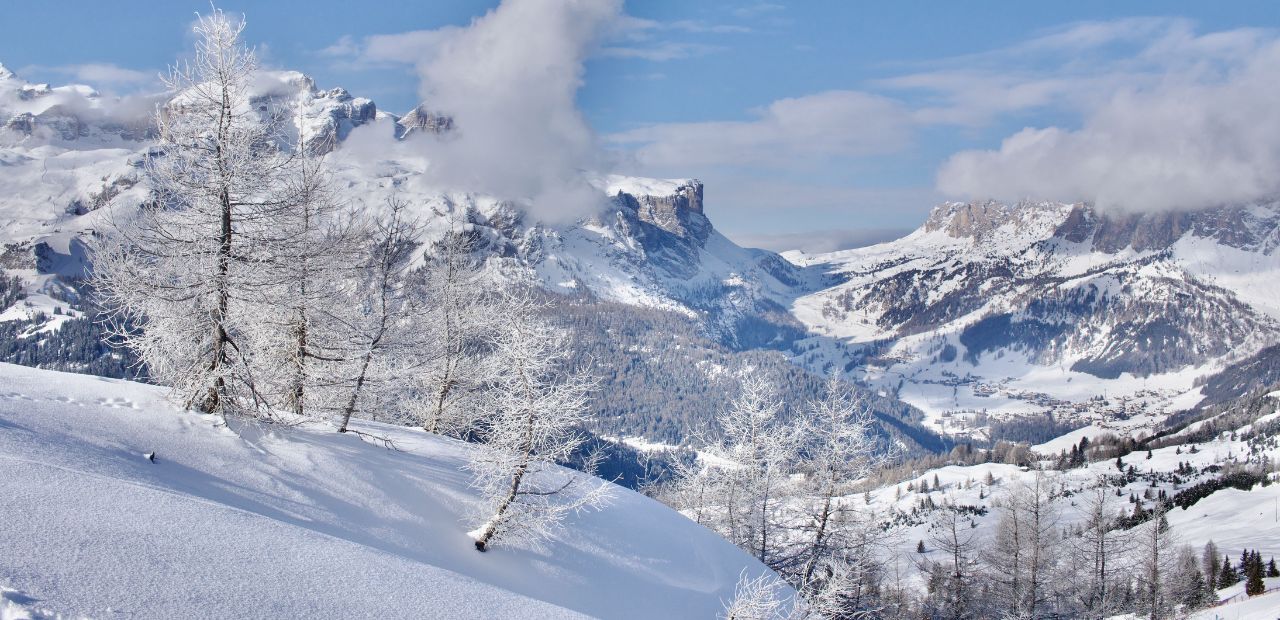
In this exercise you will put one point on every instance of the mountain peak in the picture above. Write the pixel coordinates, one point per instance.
(979, 220)
(421, 119)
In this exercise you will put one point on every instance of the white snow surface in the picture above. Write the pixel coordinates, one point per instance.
(299, 522)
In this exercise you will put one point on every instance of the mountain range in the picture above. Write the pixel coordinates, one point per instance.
(987, 314)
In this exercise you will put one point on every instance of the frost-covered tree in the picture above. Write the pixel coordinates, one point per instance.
(459, 313)
(1154, 556)
(314, 261)
(537, 405)
(760, 598)
(1024, 550)
(833, 543)
(183, 275)
(748, 467)
(952, 582)
(1097, 552)
(377, 319)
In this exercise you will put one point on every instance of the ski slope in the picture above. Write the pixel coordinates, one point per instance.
(299, 522)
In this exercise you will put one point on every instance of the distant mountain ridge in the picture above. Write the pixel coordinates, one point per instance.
(986, 296)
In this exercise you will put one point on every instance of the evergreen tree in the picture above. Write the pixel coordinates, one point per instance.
(1271, 569)
(1253, 584)
(1227, 577)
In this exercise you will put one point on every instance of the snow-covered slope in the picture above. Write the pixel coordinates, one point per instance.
(994, 309)
(299, 522)
(1233, 518)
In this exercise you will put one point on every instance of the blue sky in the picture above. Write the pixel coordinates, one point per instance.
(814, 124)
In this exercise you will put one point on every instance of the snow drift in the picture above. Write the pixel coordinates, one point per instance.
(303, 522)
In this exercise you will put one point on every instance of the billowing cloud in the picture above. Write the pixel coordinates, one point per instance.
(510, 80)
(829, 124)
(1204, 132)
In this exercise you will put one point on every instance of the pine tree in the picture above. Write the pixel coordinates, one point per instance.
(1271, 569)
(1227, 576)
(1253, 575)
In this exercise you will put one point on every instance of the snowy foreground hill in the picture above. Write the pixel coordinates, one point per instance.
(299, 522)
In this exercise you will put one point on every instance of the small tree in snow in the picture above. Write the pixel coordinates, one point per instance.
(537, 405)
(759, 598)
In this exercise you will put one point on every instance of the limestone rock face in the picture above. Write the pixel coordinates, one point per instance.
(423, 119)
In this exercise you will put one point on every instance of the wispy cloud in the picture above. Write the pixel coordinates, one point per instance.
(819, 241)
(787, 132)
(98, 75)
(662, 51)
(757, 9)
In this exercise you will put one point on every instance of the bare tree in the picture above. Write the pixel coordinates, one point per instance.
(459, 312)
(315, 263)
(537, 406)
(954, 589)
(834, 541)
(1155, 550)
(182, 274)
(377, 320)
(1098, 551)
(761, 598)
(747, 467)
(1023, 550)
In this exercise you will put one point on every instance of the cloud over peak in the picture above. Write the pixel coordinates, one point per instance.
(1205, 131)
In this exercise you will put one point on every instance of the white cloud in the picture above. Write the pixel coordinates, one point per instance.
(828, 124)
(1204, 131)
(510, 81)
(819, 241)
(757, 9)
(662, 51)
(99, 75)
(106, 73)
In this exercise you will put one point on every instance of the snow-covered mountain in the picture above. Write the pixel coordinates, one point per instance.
(994, 308)
(988, 311)
(70, 156)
